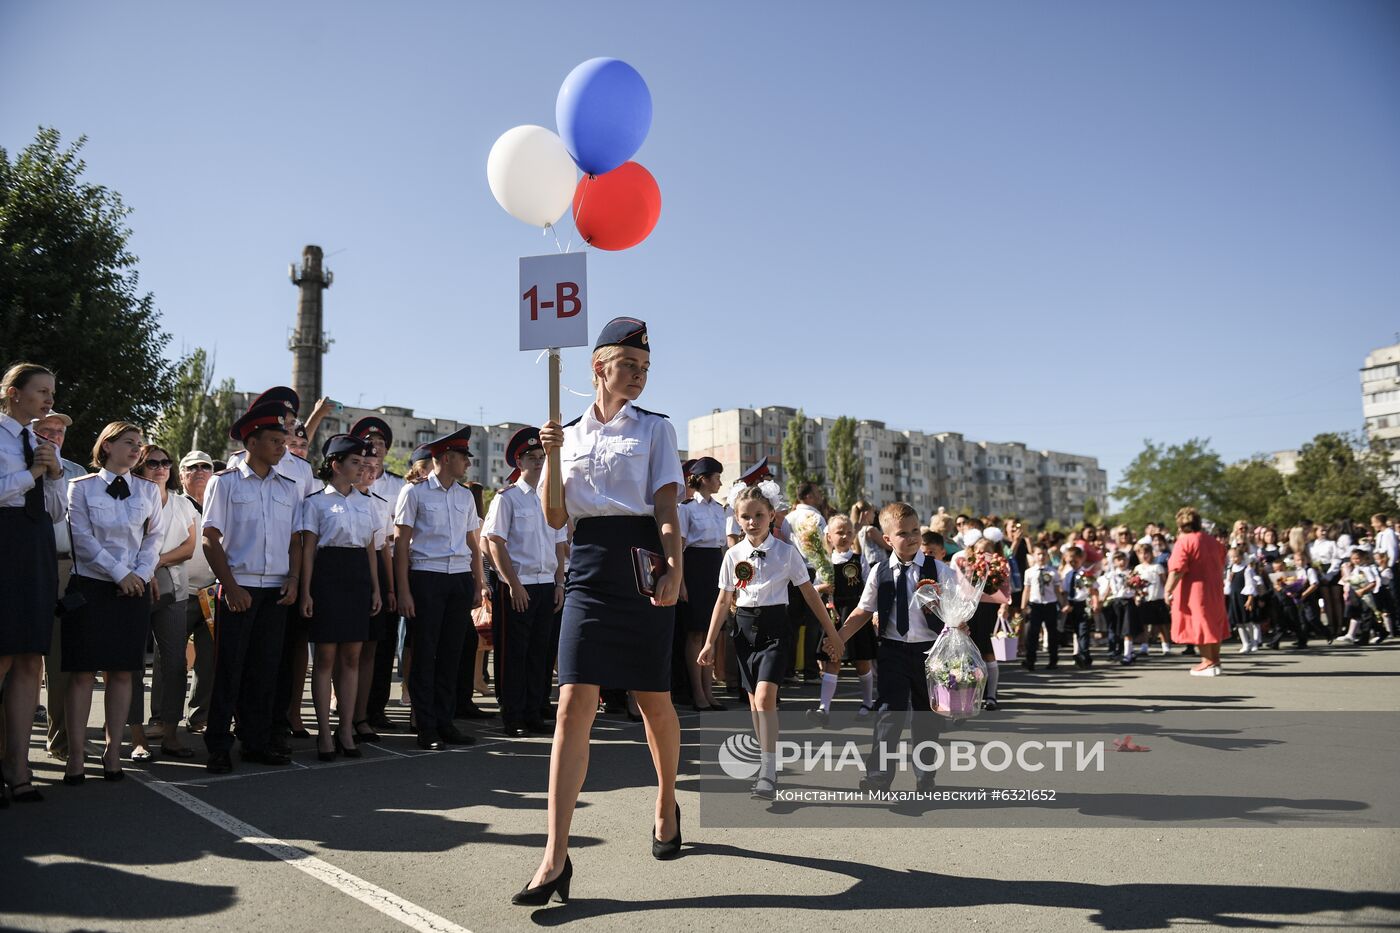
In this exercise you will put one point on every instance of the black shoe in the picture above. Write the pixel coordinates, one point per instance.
(1052, 665)
(538, 897)
(924, 784)
(990, 703)
(370, 736)
(268, 756)
(326, 756)
(454, 736)
(819, 717)
(515, 730)
(73, 780)
(19, 795)
(672, 847)
(348, 752)
(1189, 652)
(113, 776)
(279, 744)
(868, 784)
(219, 763)
(429, 742)
(764, 789)
(1028, 664)
(472, 711)
(717, 707)
(381, 724)
(539, 727)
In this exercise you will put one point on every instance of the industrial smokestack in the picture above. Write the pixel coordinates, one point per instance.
(308, 342)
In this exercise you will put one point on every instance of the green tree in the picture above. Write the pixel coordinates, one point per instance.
(843, 465)
(69, 296)
(1093, 515)
(199, 415)
(1336, 480)
(1162, 479)
(1253, 490)
(795, 471)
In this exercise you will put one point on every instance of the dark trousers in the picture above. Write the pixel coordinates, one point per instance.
(467, 664)
(902, 686)
(523, 643)
(295, 635)
(1119, 615)
(1082, 624)
(1334, 602)
(1047, 616)
(442, 604)
(247, 646)
(383, 678)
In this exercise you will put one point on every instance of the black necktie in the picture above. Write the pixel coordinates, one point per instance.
(758, 554)
(901, 600)
(118, 489)
(34, 498)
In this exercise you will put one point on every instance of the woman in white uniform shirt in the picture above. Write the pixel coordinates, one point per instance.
(703, 525)
(622, 480)
(117, 529)
(33, 495)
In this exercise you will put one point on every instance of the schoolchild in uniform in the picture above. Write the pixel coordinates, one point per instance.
(754, 579)
(1360, 579)
(33, 496)
(1241, 585)
(1155, 615)
(528, 556)
(754, 475)
(907, 632)
(117, 526)
(437, 560)
(622, 487)
(299, 442)
(848, 573)
(339, 587)
(377, 655)
(291, 671)
(703, 526)
(249, 538)
(1042, 600)
(1077, 584)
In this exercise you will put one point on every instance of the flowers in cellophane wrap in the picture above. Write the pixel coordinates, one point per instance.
(957, 675)
(808, 538)
(1086, 583)
(1137, 583)
(988, 570)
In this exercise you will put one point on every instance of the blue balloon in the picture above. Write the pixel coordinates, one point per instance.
(603, 113)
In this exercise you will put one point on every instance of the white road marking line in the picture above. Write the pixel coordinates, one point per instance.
(371, 895)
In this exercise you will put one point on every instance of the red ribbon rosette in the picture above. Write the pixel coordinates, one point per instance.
(743, 572)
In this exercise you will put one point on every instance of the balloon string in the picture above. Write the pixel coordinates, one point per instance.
(549, 228)
(587, 180)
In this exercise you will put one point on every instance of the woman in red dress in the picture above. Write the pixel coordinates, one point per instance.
(1197, 566)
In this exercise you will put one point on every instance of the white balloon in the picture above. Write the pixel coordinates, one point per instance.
(532, 175)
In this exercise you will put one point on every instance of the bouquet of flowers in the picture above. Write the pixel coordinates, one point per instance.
(957, 675)
(809, 542)
(1137, 583)
(988, 570)
(1084, 582)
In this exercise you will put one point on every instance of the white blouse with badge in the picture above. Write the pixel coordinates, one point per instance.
(115, 537)
(336, 520)
(774, 563)
(616, 468)
(441, 519)
(703, 523)
(15, 478)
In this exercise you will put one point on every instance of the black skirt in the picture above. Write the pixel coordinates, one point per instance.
(109, 631)
(863, 645)
(611, 636)
(759, 637)
(983, 621)
(28, 583)
(702, 566)
(340, 595)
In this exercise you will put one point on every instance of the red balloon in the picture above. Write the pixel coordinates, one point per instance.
(618, 209)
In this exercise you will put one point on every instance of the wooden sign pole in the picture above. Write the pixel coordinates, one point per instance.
(555, 494)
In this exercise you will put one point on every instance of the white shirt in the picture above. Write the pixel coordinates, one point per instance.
(1081, 590)
(61, 539)
(1326, 553)
(255, 517)
(114, 537)
(516, 519)
(1043, 583)
(383, 510)
(1156, 577)
(919, 628)
(1113, 585)
(1388, 543)
(197, 572)
(703, 523)
(618, 467)
(388, 486)
(1252, 582)
(441, 518)
(15, 478)
(291, 466)
(801, 515)
(177, 515)
(336, 520)
(779, 566)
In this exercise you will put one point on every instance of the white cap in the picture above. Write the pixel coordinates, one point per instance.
(195, 456)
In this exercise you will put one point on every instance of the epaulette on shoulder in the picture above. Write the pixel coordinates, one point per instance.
(79, 479)
(646, 412)
(393, 474)
(574, 422)
(374, 495)
(288, 478)
(226, 471)
(316, 493)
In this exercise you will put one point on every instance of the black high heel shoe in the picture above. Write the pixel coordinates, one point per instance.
(347, 752)
(670, 848)
(539, 896)
(327, 756)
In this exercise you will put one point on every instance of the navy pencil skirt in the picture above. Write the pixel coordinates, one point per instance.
(611, 635)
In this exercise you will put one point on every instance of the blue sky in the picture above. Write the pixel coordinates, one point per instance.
(1105, 221)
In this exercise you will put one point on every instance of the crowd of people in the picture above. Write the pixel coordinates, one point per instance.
(239, 566)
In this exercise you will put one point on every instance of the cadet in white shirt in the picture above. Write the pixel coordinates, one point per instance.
(33, 495)
(339, 586)
(907, 632)
(249, 523)
(703, 525)
(117, 526)
(377, 653)
(1042, 601)
(438, 566)
(529, 559)
(754, 579)
(622, 482)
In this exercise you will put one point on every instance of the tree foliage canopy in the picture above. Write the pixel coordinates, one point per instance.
(843, 464)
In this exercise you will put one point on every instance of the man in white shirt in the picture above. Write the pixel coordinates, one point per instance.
(797, 527)
(1387, 542)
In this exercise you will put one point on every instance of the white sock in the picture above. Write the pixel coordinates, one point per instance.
(867, 688)
(768, 766)
(1256, 633)
(828, 690)
(993, 673)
